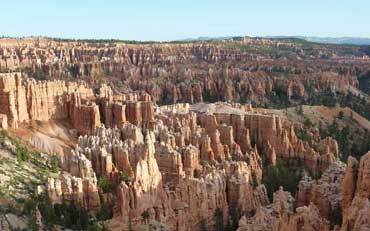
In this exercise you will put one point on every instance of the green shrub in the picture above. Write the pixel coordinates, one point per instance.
(275, 176)
(341, 115)
(2, 191)
(29, 205)
(124, 177)
(22, 153)
(30, 126)
(39, 123)
(335, 216)
(299, 110)
(4, 133)
(74, 70)
(145, 216)
(219, 220)
(37, 73)
(106, 185)
(69, 215)
(307, 123)
(47, 211)
(98, 227)
(203, 224)
(104, 213)
(54, 163)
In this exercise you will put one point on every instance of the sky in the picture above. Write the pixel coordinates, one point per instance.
(164, 20)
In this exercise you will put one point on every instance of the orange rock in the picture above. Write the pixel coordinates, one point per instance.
(280, 216)
(3, 121)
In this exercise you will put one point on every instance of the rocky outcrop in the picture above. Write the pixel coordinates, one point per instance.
(77, 182)
(325, 193)
(136, 108)
(356, 194)
(67, 188)
(146, 192)
(363, 177)
(176, 171)
(192, 72)
(139, 113)
(176, 165)
(361, 220)
(180, 166)
(187, 164)
(13, 99)
(349, 185)
(341, 189)
(190, 160)
(3, 121)
(280, 215)
(24, 100)
(269, 133)
(85, 118)
(113, 113)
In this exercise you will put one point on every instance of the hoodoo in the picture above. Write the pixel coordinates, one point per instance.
(234, 134)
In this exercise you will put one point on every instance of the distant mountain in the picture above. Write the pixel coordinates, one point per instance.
(203, 38)
(328, 40)
(338, 40)
(359, 41)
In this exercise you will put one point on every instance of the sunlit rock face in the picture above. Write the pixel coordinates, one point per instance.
(280, 215)
(25, 100)
(188, 166)
(168, 178)
(356, 194)
(192, 72)
(181, 164)
(325, 193)
(177, 165)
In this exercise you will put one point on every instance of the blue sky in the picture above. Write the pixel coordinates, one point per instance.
(170, 20)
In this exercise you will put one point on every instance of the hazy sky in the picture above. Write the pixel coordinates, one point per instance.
(170, 20)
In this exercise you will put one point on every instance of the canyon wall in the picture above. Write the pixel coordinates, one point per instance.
(269, 133)
(192, 72)
(24, 100)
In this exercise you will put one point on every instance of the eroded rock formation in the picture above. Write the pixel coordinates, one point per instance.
(178, 165)
(193, 72)
(325, 193)
(356, 194)
(280, 215)
(270, 133)
(24, 100)
(181, 166)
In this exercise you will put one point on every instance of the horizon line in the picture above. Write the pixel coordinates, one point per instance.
(188, 39)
